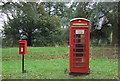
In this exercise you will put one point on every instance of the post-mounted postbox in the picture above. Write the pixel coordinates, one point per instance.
(79, 46)
(22, 47)
(22, 51)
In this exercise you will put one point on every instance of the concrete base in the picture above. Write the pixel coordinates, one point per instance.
(72, 73)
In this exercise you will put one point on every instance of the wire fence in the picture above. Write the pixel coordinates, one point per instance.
(103, 51)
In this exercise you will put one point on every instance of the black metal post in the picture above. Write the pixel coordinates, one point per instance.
(22, 63)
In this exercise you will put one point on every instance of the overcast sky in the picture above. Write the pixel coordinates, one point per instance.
(2, 18)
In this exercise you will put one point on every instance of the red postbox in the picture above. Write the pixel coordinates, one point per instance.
(22, 47)
(79, 46)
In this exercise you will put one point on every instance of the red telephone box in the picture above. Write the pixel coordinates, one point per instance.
(22, 47)
(79, 46)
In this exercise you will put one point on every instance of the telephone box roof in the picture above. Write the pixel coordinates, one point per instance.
(79, 18)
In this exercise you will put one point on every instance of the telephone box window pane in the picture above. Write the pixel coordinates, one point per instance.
(80, 45)
(79, 60)
(79, 65)
(79, 55)
(80, 41)
(79, 50)
(79, 31)
(79, 36)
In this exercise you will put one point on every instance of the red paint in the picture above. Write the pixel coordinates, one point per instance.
(22, 47)
(79, 45)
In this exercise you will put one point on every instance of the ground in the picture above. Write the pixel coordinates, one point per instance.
(53, 63)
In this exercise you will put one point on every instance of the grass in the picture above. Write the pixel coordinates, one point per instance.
(36, 53)
(52, 63)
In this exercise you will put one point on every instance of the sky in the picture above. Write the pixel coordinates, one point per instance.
(2, 18)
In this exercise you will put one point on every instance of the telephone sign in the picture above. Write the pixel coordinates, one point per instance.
(22, 47)
(79, 46)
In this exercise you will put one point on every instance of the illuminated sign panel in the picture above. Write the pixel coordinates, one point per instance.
(79, 23)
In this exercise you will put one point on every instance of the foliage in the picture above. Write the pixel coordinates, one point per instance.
(32, 22)
(118, 23)
(47, 24)
(65, 36)
(47, 35)
(104, 10)
(95, 11)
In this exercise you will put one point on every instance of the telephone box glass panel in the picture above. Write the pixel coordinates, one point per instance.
(79, 36)
(79, 50)
(80, 41)
(79, 55)
(80, 45)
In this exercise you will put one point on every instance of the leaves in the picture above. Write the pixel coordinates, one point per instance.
(47, 21)
(31, 23)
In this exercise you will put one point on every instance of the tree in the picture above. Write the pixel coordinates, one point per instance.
(29, 22)
(102, 16)
(118, 23)
(82, 10)
(108, 11)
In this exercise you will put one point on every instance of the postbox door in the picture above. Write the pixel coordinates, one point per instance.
(22, 48)
(79, 49)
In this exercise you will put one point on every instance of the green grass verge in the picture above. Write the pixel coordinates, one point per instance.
(36, 53)
(56, 69)
(51, 63)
